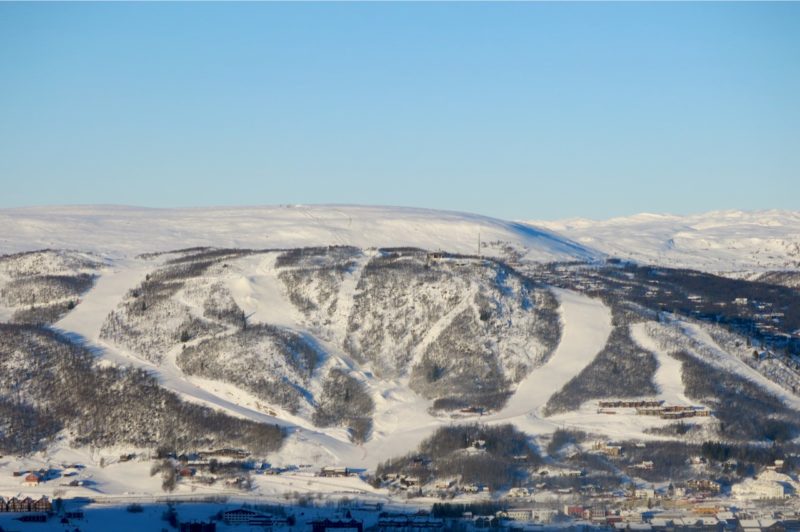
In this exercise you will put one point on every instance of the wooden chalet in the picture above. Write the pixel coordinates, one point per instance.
(630, 403)
(43, 504)
(330, 471)
(27, 504)
(15, 504)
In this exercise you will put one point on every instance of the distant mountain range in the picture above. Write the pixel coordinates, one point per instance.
(722, 241)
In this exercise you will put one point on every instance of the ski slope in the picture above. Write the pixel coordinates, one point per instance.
(668, 375)
(586, 326)
(87, 318)
(402, 418)
(725, 361)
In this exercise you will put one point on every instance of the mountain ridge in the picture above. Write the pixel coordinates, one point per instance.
(134, 230)
(728, 241)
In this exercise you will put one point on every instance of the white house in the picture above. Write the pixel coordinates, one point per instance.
(519, 514)
(755, 489)
(768, 485)
(519, 493)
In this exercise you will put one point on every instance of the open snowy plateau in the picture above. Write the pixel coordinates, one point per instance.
(729, 242)
(313, 336)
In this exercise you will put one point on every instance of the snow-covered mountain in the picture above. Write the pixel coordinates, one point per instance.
(352, 335)
(723, 241)
(129, 231)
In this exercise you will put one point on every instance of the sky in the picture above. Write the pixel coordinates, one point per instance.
(515, 110)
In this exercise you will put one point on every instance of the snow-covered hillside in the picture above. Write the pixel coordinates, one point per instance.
(350, 335)
(118, 231)
(723, 241)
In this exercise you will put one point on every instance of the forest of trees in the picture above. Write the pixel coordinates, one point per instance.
(48, 384)
(620, 369)
(345, 402)
(273, 363)
(489, 455)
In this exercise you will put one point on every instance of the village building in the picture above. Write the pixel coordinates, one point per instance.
(757, 489)
(517, 514)
(602, 447)
(444, 484)
(32, 479)
(330, 471)
(470, 488)
(577, 510)
(519, 493)
(758, 525)
(485, 521)
(543, 515)
(633, 527)
(630, 403)
(43, 504)
(703, 485)
(479, 444)
(224, 453)
(410, 523)
(19, 505)
(13, 505)
(410, 482)
(776, 466)
(245, 516)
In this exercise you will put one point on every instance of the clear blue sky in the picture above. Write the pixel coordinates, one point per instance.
(519, 110)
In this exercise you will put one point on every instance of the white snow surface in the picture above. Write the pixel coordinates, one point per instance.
(668, 375)
(128, 231)
(721, 241)
(587, 325)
